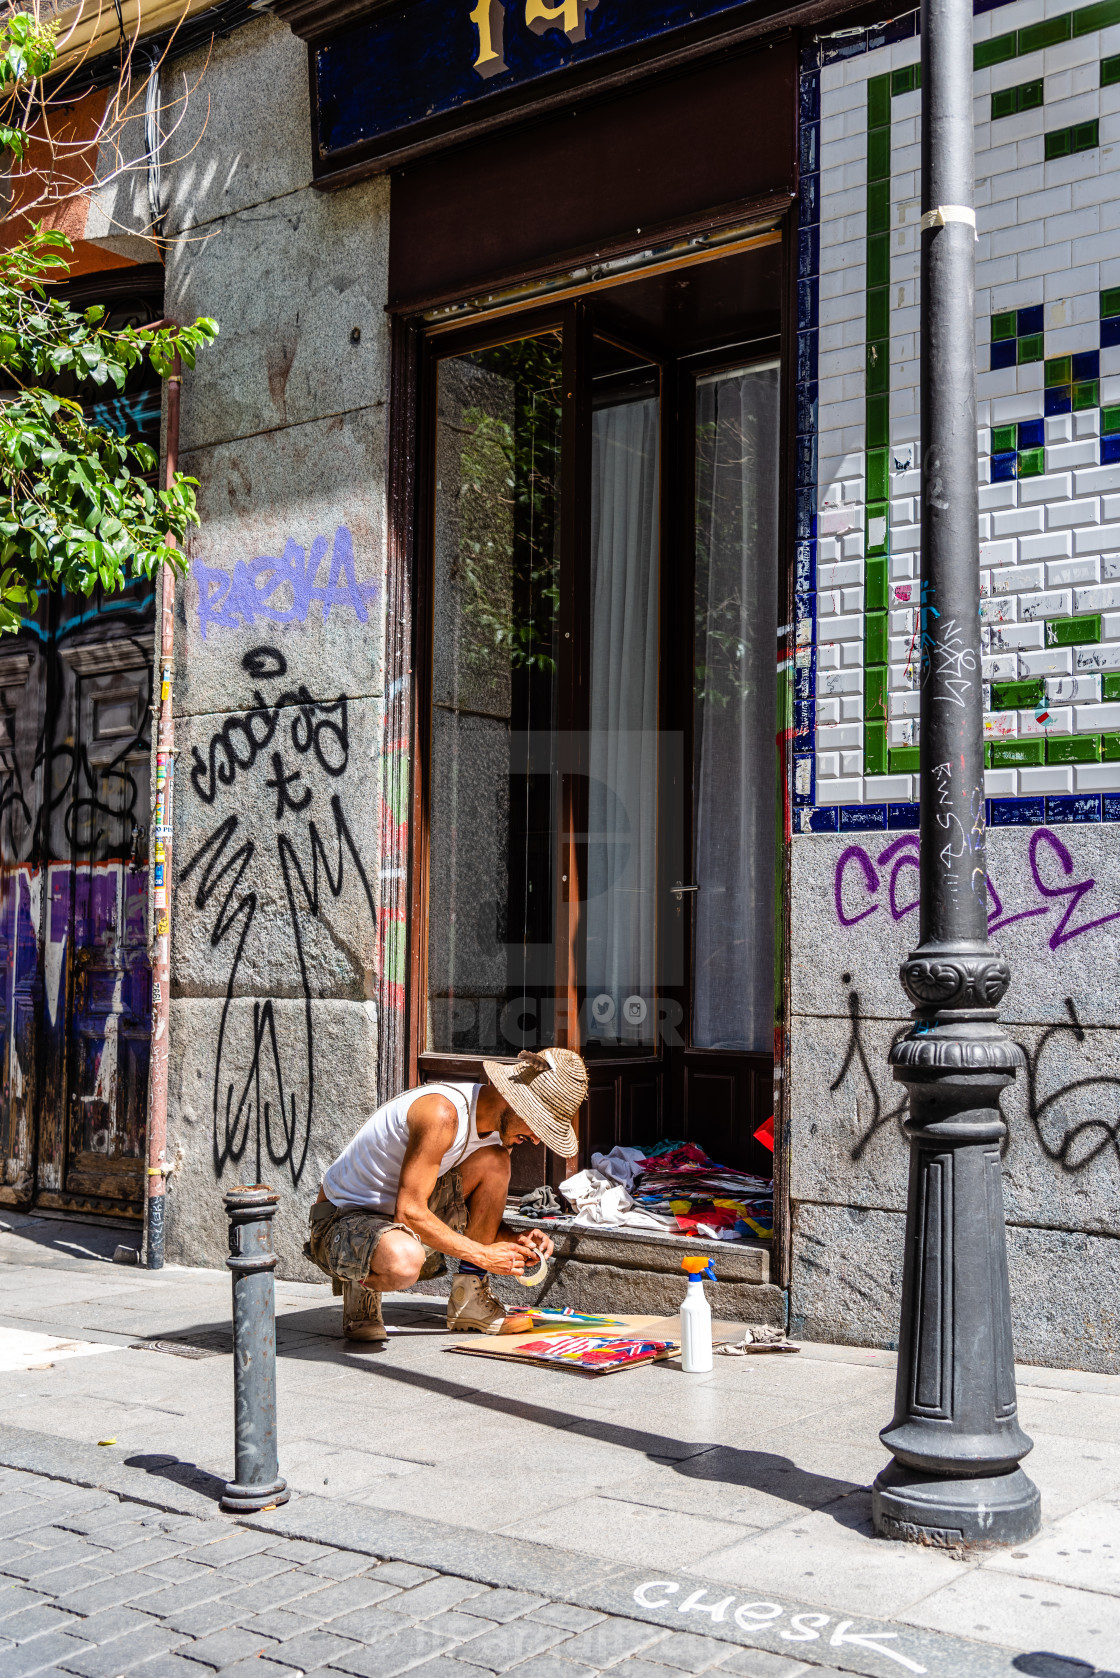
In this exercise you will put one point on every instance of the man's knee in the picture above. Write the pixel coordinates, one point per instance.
(397, 1261)
(492, 1165)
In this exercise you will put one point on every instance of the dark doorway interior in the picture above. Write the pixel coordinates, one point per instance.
(600, 836)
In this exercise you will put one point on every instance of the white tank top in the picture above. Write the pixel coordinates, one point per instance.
(367, 1172)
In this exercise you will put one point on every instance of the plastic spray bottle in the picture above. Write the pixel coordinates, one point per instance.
(696, 1318)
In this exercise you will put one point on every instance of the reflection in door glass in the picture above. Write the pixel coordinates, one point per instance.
(492, 901)
(620, 918)
(735, 708)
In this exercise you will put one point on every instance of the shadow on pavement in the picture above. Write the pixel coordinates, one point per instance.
(1040, 1664)
(297, 1330)
(69, 1239)
(762, 1471)
(180, 1473)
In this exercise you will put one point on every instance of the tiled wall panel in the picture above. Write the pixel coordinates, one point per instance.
(1047, 111)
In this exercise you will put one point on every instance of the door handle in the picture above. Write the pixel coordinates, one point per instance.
(678, 891)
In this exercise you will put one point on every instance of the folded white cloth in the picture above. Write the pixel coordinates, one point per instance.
(620, 1165)
(601, 1204)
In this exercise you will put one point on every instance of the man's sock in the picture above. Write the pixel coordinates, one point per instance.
(468, 1269)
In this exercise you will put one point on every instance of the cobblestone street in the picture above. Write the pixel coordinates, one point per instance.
(97, 1586)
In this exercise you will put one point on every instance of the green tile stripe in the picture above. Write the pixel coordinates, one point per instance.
(1009, 101)
(1053, 748)
(877, 416)
(1067, 142)
(1024, 695)
(1082, 631)
(1049, 33)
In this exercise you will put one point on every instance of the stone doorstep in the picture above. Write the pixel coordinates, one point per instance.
(843, 1645)
(634, 1249)
(635, 1272)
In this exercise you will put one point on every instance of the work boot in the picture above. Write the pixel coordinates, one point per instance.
(361, 1313)
(473, 1304)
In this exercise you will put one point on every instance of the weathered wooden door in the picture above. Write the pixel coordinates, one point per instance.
(21, 739)
(75, 984)
(109, 978)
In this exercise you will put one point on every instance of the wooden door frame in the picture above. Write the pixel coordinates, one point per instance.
(431, 348)
(416, 347)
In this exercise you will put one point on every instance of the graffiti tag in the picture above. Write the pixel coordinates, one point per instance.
(284, 589)
(859, 880)
(244, 1112)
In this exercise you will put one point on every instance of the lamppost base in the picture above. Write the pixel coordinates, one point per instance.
(997, 1509)
(250, 1500)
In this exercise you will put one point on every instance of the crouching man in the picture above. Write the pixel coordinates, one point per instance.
(426, 1178)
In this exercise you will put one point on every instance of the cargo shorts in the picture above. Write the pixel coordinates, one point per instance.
(343, 1240)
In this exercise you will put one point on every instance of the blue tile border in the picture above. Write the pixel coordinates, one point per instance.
(862, 818)
(1058, 811)
(805, 557)
(1084, 807)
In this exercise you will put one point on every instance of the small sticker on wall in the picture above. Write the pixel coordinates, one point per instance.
(161, 898)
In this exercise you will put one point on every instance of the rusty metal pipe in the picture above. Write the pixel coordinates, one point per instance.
(161, 864)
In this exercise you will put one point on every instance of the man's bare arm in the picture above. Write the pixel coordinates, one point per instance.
(432, 1127)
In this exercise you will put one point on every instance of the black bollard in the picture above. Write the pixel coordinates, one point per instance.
(257, 1484)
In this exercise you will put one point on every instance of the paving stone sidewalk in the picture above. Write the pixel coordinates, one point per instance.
(97, 1586)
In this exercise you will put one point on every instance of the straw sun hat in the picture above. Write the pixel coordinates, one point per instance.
(547, 1091)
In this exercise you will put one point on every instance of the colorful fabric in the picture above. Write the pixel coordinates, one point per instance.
(705, 1197)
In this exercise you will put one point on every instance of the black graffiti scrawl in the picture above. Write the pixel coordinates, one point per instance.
(306, 746)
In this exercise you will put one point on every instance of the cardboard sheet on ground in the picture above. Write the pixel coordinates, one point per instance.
(516, 1348)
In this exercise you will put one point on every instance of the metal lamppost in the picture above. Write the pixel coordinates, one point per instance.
(955, 1437)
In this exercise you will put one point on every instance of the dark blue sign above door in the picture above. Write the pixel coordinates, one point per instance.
(422, 67)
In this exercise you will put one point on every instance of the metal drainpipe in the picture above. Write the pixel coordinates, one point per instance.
(161, 864)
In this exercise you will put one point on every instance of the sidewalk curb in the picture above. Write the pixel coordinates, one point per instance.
(105, 1469)
(829, 1641)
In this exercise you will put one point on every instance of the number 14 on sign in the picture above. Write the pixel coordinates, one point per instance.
(489, 16)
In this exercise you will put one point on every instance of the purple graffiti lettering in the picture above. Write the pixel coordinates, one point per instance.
(1074, 892)
(343, 587)
(994, 920)
(282, 589)
(854, 853)
(213, 591)
(904, 854)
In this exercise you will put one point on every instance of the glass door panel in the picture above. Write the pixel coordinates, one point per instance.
(734, 773)
(620, 920)
(492, 798)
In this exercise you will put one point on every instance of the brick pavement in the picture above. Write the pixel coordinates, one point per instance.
(97, 1586)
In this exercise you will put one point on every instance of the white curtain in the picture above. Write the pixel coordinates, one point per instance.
(735, 760)
(622, 801)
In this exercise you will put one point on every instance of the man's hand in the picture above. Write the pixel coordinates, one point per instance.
(536, 1244)
(504, 1258)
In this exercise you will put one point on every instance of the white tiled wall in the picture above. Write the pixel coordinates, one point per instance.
(1048, 233)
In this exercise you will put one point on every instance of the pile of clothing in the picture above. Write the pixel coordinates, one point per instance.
(705, 1198)
(676, 1188)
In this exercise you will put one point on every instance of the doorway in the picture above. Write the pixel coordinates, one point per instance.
(598, 611)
